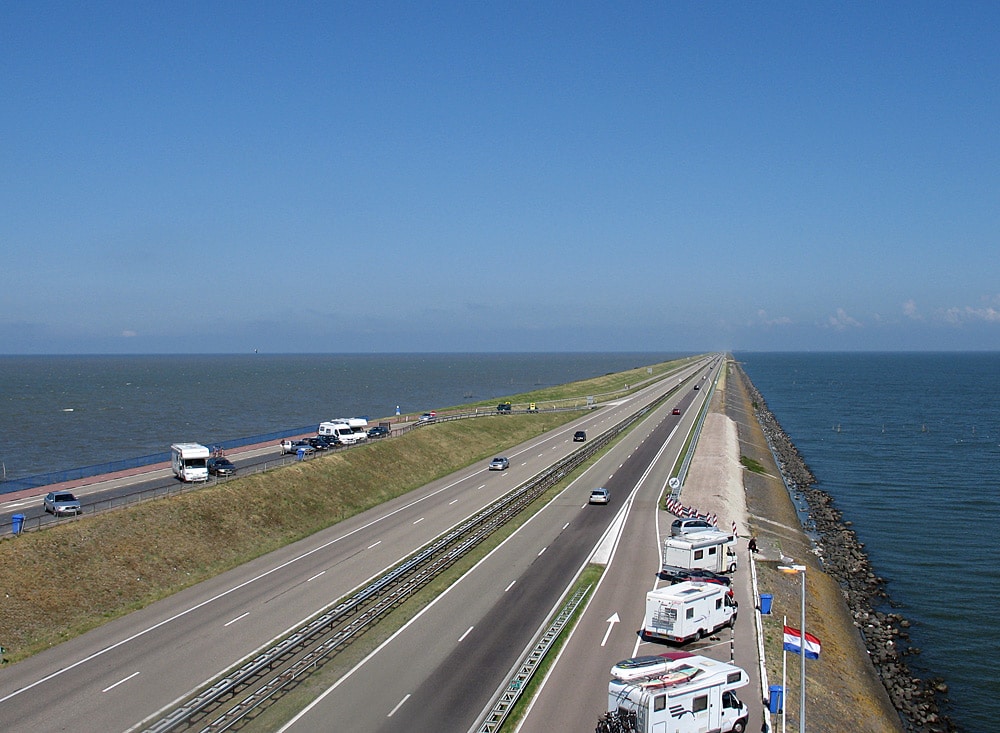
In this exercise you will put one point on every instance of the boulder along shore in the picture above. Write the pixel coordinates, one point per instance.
(842, 556)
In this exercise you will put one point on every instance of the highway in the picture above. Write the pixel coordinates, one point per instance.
(441, 671)
(123, 674)
(584, 663)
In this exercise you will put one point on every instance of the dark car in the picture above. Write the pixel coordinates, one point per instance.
(320, 442)
(221, 467)
(379, 431)
(677, 411)
(61, 502)
(679, 575)
(697, 386)
(579, 436)
(503, 407)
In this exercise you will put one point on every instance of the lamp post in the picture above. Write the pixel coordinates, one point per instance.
(801, 571)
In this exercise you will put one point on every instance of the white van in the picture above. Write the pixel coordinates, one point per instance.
(341, 432)
(189, 461)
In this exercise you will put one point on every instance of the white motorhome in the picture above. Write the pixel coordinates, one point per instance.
(710, 550)
(357, 424)
(691, 694)
(688, 610)
(342, 432)
(189, 461)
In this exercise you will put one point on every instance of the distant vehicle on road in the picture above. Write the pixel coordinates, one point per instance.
(379, 431)
(677, 411)
(579, 436)
(189, 461)
(220, 466)
(428, 416)
(293, 446)
(503, 407)
(59, 503)
(599, 496)
(499, 464)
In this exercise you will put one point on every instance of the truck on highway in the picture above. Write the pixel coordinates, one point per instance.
(688, 694)
(688, 610)
(709, 550)
(189, 461)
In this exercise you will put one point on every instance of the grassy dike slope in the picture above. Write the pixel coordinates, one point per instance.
(60, 582)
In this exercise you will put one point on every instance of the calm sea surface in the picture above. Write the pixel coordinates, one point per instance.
(65, 412)
(909, 447)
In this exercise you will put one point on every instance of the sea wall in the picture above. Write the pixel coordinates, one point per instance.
(917, 700)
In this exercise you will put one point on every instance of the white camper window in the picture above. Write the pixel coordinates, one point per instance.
(718, 603)
(712, 550)
(659, 703)
(699, 554)
(699, 704)
(689, 613)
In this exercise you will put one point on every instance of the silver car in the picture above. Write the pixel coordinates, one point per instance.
(686, 526)
(61, 502)
(499, 464)
(599, 496)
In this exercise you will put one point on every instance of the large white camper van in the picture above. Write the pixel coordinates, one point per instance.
(710, 550)
(189, 461)
(690, 694)
(688, 610)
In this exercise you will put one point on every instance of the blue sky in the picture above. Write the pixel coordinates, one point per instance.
(573, 176)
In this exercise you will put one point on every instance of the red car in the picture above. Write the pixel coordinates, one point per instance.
(677, 411)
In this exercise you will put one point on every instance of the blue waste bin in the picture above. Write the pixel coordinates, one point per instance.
(301, 453)
(17, 523)
(765, 603)
(775, 698)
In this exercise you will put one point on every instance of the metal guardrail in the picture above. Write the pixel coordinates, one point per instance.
(509, 696)
(287, 662)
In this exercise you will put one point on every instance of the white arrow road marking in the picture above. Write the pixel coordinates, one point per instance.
(611, 624)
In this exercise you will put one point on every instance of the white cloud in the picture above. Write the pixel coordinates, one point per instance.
(910, 310)
(841, 321)
(988, 312)
(967, 314)
(763, 320)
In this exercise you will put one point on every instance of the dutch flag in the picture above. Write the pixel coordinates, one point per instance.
(793, 643)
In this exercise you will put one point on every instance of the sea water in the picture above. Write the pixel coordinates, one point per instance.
(908, 445)
(65, 412)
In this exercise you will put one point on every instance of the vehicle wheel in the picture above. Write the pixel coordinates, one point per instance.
(740, 725)
(732, 568)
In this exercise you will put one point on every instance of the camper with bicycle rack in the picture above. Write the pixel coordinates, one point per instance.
(679, 693)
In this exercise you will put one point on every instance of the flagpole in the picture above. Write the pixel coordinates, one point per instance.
(784, 693)
(801, 570)
(802, 653)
